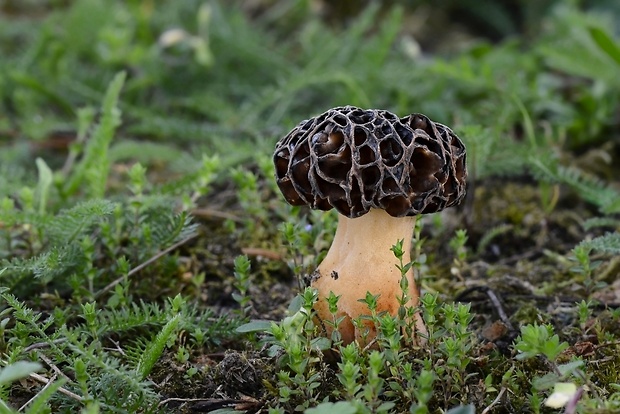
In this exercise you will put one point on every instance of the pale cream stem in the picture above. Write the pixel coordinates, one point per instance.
(359, 261)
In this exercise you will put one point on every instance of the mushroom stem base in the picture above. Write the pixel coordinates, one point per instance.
(360, 261)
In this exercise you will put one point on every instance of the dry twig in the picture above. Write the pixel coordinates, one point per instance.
(495, 401)
(141, 266)
(62, 390)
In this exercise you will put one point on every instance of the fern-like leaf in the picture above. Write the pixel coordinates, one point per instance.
(94, 166)
(155, 348)
(591, 189)
(70, 224)
(129, 318)
(608, 243)
(596, 222)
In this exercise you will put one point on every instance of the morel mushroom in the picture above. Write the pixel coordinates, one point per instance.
(379, 172)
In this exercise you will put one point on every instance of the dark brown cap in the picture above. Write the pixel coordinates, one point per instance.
(353, 160)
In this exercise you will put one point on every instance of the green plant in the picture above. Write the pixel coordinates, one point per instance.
(539, 341)
(380, 376)
(457, 244)
(298, 384)
(93, 168)
(598, 192)
(113, 378)
(242, 284)
(154, 349)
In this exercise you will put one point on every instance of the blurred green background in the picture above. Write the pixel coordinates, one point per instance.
(232, 76)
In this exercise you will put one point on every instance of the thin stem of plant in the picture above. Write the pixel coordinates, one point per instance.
(53, 366)
(495, 301)
(220, 403)
(40, 345)
(47, 381)
(571, 406)
(495, 401)
(50, 382)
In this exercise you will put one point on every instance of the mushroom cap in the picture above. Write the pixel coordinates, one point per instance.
(353, 160)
